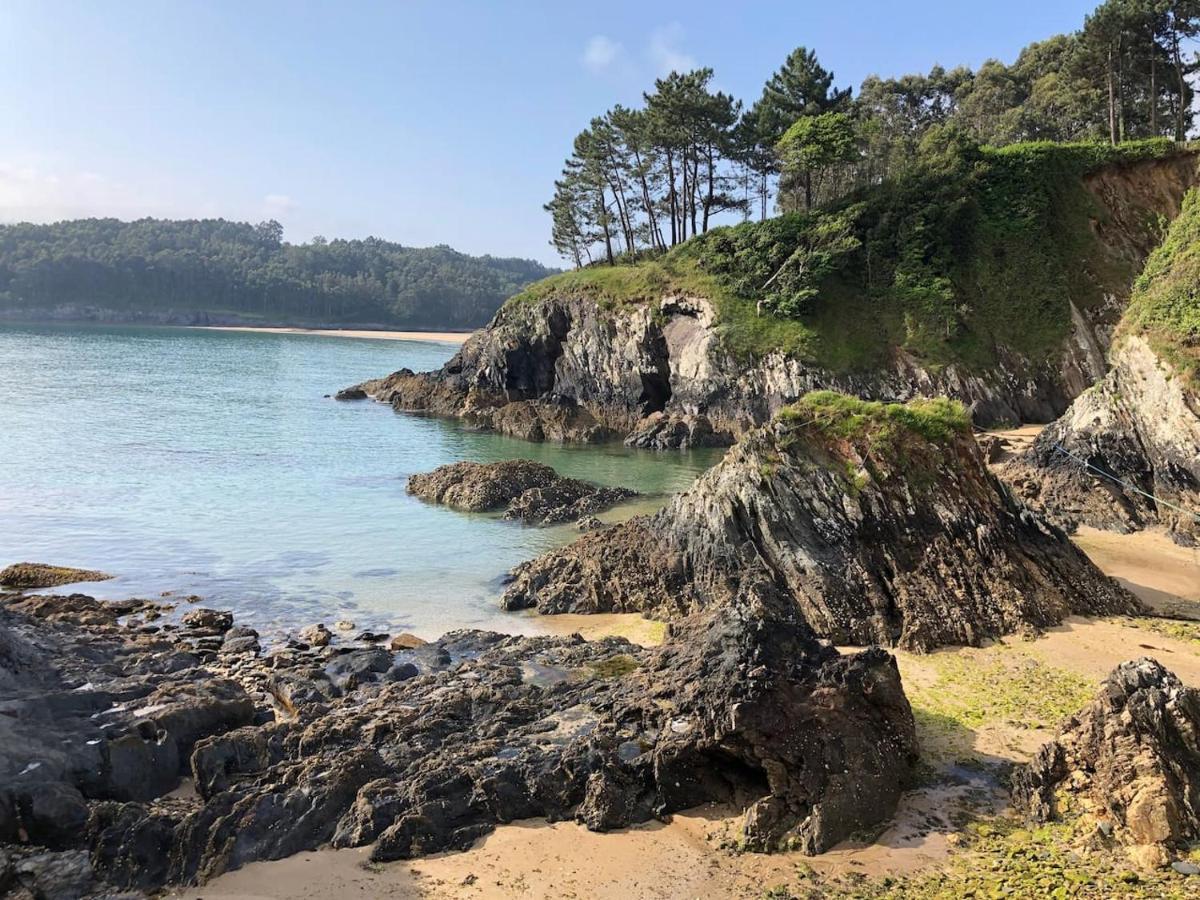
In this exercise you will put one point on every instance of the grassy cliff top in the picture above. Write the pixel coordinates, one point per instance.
(1165, 305)
(849, 418)
(974, 250)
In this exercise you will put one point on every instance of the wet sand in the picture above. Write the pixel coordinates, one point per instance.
(440, 337)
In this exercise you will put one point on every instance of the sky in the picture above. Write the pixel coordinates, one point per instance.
(419, 122)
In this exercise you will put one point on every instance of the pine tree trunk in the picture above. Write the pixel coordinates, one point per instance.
(1112, 101)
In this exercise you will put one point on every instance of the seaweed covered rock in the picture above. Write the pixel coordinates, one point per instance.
(881, 521)
(1131, 759)
(26, 576)
(525, 490)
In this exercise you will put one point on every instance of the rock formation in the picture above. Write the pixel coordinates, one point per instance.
(424, 748)
(1131, 760)
(882, 522)
(1127, 452)
(1140, 427)
(26, 576)
(658, 374)
(525, 490)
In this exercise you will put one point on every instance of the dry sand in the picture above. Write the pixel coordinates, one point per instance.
(441, 337)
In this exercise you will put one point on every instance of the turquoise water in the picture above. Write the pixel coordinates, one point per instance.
(212, 463)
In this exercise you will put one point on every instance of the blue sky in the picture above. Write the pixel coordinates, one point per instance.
(420, 122)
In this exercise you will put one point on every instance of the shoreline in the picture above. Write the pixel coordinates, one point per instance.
(434, 337)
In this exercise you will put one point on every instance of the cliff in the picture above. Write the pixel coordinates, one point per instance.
(678, 352)
(881, 522)
(1127, 453)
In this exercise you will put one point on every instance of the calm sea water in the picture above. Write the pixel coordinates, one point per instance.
(212, 463)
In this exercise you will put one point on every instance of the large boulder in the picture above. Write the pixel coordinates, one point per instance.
(743, 705)
(1131, 757)
(880, 521)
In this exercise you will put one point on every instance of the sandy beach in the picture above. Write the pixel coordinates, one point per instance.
(439, 337)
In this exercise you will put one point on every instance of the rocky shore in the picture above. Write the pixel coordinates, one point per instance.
(521, 489)
(416, 750)
(882, 522)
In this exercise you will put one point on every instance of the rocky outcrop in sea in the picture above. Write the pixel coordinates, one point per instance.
(657, 374)
(520, 488)
(881, 522)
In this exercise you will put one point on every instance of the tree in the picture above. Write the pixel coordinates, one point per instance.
(811, 147)
(801, 87)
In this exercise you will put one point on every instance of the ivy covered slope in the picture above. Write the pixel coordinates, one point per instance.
(973, 253)
(994, 276)
(1127, 452)
(214, 271)
(880, 521)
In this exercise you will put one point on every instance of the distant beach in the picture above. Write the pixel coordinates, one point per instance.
(441, 337)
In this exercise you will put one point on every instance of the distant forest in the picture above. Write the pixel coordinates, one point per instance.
(166, 270)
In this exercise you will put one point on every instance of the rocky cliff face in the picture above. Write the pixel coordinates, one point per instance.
(1140, 427)
(657, 374)
(882, 523)
(1131, 759)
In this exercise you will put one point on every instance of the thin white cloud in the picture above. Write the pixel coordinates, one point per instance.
(600, 53)
(665, 53)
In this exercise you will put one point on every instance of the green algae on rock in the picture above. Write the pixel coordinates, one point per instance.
(26, 575)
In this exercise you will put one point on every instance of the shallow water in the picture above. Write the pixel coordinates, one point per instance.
(211, 463)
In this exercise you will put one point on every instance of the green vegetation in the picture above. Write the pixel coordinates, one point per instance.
(972, 250)
(617, 666)
(1165, 306)
(849, 418)
(944, 215)
(228, 267)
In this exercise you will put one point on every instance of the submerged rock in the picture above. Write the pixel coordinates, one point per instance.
(1131, 757)
(882, 523)
(525, 490)
(26, 575)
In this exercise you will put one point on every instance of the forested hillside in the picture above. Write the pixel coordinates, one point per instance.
(214, 270)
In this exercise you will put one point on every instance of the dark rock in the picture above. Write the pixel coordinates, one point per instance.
(525, 490)
(401, 672)
(209, 620)
(351, 669)
(350, 393)
(879, 533)
(1134, 755)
